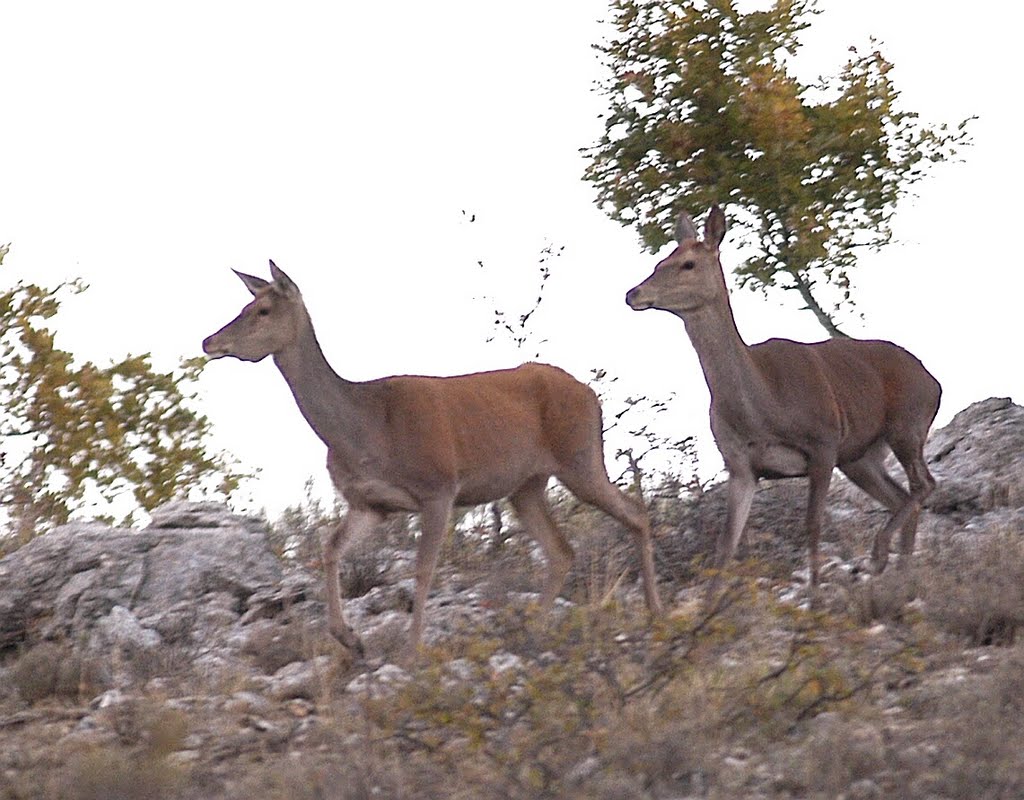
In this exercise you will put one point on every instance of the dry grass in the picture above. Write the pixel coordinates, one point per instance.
(754, 697)
(595, 702)
(600, 705)
(111, 773)
(975, 589)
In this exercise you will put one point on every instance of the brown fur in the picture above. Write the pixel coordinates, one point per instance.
(786, 409)
(426, 444)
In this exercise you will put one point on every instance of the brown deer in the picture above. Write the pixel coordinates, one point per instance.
(426, 444)
(786, 409)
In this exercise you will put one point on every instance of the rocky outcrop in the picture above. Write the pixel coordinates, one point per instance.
(977, 460)
(199, 586)
(182, 581)
(205, 582)
(189, 653)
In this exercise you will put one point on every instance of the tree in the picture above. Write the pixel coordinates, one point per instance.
(74, 435)
(703, 109)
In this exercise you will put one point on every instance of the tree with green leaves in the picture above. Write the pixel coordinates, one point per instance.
(74, 435)
(704, 108)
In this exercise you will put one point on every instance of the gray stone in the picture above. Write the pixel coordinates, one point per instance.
(381, 681)
(67, 583)
(120, 628)
(305, 679)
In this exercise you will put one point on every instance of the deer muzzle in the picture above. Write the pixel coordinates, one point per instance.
(635, 301)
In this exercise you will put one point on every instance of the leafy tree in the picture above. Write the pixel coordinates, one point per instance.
(76, 435)
(703, 109)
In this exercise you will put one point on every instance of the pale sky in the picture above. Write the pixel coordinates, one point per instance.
(150, 148)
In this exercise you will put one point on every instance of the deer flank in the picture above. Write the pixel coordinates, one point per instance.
(786, 409)
(427, 444)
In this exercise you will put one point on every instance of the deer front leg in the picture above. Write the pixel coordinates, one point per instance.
(820, 476)
(740, 495)
(355, 525)
(434, 518)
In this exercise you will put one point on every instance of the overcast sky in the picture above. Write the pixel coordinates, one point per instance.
(149, 148)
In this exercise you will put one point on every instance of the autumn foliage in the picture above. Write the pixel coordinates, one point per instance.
(705, 107)
(115, 438)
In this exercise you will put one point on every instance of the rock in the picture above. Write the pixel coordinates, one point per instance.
(294, 588)
(396, 596)
(120, 628)
(111, 697)
(585, 769)
(247, 703)
(305, 679)
(978, 459)
(185, 514)
(179, 585)
(503, 662)
(863, 789)
(460, 670)
(380, 681)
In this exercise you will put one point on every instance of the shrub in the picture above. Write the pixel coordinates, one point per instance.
(983, 727)
(55, 669)
(598, 703)
(114, 773)
(882, 597)
(975, 588)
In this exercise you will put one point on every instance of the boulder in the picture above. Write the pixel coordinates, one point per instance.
(181, 580)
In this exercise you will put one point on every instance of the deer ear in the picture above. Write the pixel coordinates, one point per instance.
(714, 226)
(282, 282)
(685, 228)
(252, 283)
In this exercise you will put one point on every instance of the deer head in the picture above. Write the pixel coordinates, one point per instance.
(691, 277)
(271, 322)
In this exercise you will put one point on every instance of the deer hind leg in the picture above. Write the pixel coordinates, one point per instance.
(910, 454)
(596, 490)
(531, 506)
(434, 519)
(355, 525)
(869, 474)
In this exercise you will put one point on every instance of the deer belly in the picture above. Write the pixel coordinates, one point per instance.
(777, 461)
(374, 493)
(476, 489)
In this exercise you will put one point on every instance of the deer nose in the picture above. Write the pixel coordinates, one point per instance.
(208, 347)
(631, 296)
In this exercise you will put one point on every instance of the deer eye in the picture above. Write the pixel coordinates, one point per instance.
(263, 312)
(687, 265)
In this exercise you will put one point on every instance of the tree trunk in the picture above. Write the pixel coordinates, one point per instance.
(801, 285)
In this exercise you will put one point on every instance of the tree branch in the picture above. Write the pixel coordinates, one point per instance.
(824, 318)
(11, 433)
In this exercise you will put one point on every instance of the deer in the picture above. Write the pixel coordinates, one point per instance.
(424, 445)
(782, 409)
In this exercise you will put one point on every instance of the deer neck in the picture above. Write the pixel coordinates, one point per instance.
(739, 392)
(338, 411)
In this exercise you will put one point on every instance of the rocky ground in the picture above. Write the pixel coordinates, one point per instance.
(189, 660)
